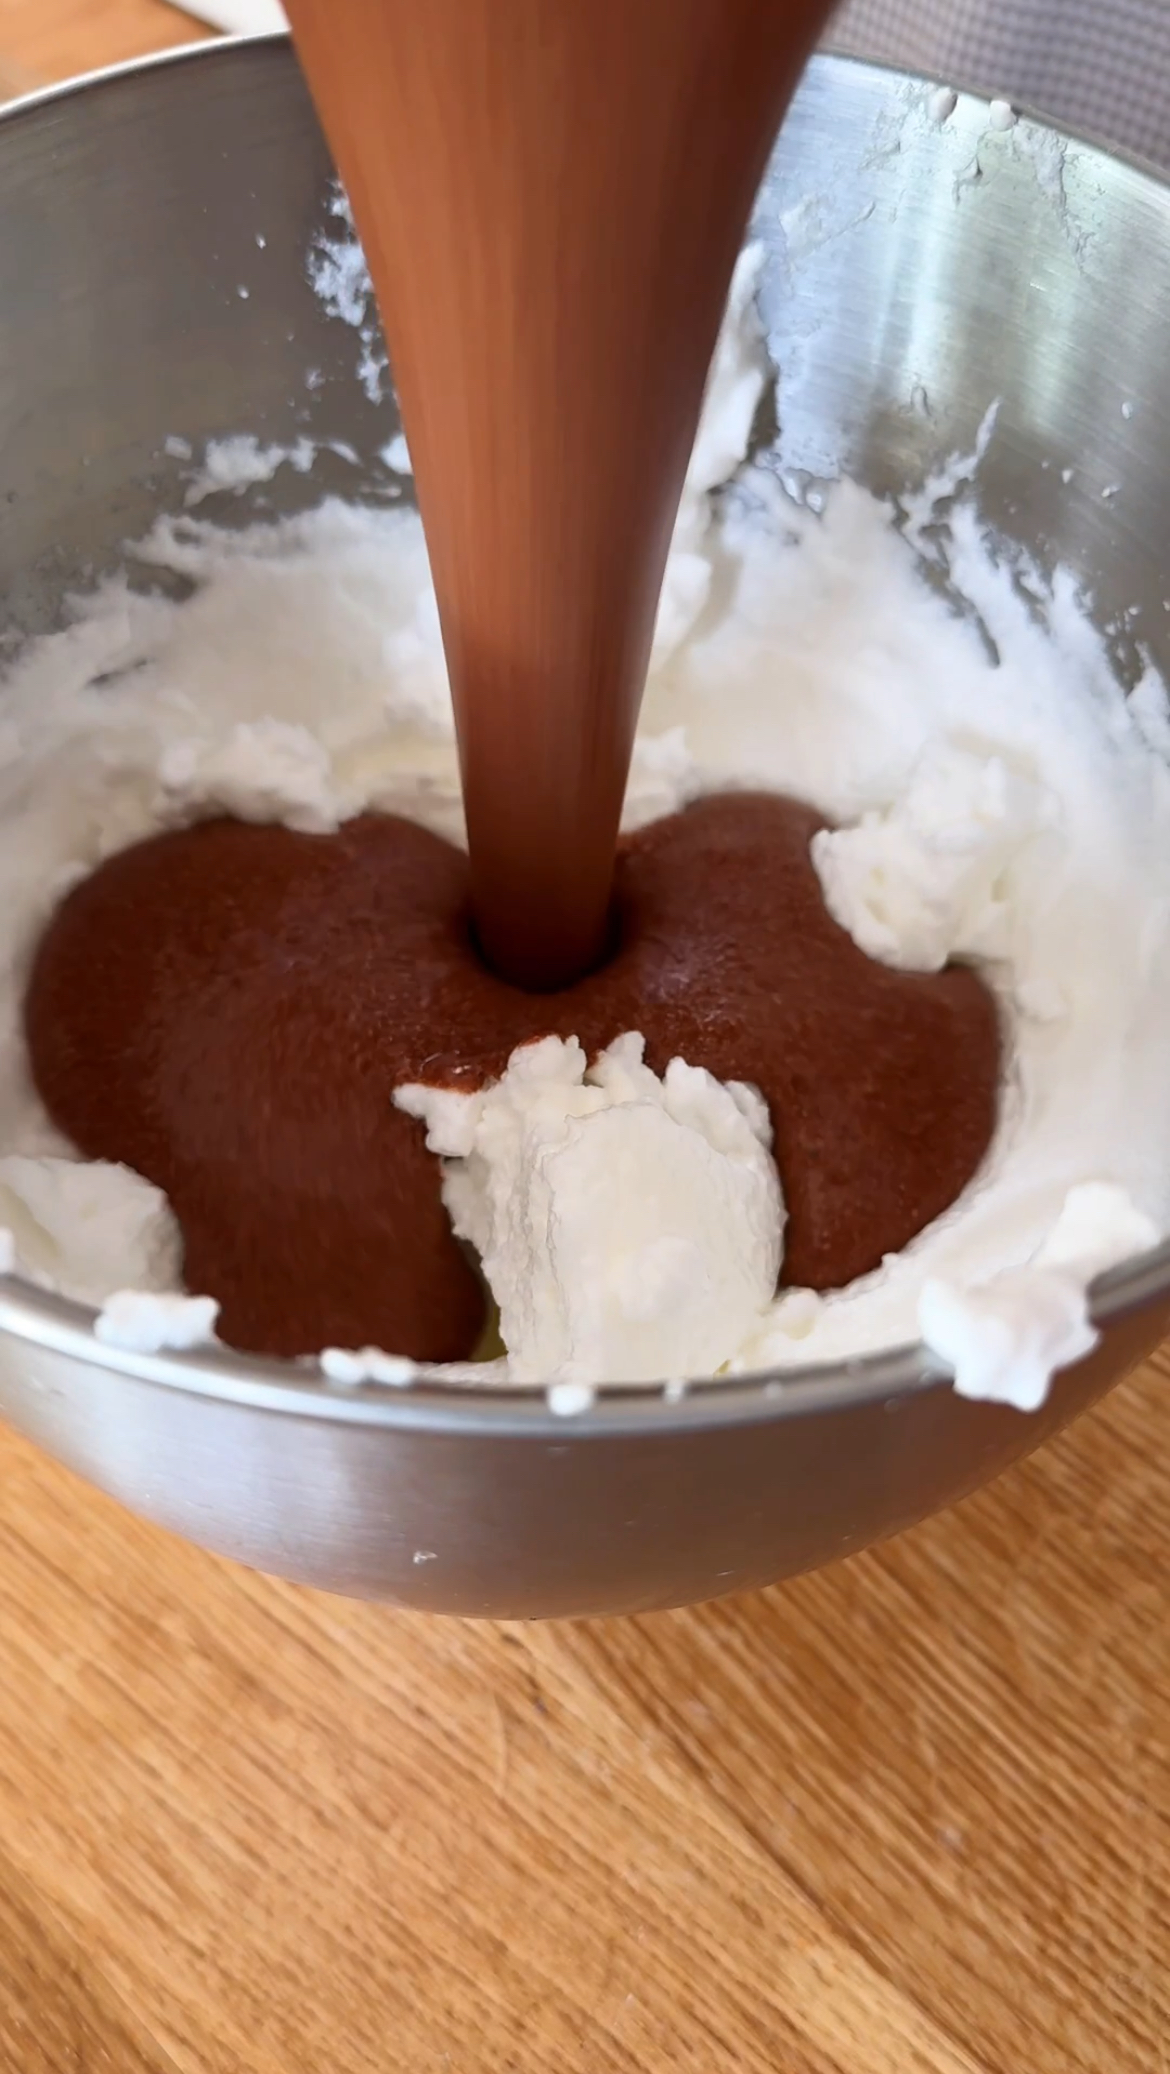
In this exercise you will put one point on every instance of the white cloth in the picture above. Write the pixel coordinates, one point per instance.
(236, 17)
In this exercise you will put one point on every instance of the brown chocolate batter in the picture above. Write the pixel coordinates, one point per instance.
(229, 1009)
(551, 195)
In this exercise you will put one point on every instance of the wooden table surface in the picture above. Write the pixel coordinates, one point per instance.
(910, 1816)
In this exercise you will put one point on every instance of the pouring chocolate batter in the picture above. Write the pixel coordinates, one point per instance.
(551, 194)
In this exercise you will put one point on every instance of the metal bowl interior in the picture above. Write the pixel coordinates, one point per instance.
(916, 271)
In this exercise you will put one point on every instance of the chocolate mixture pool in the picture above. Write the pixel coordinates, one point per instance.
(228, 1010)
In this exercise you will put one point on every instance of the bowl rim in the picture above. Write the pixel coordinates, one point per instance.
(434, 1401)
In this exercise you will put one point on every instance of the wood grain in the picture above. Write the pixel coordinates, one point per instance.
(42, 41)
(909, 1816)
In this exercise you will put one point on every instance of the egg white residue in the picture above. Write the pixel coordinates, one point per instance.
(139, 1323)
(996, 796)
(627, 1224)
(340, 278)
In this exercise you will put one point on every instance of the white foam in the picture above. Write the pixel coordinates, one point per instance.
(338, 274)
(143, 1324)
(628, 1226)
(240, 461)
(370, 1365)
(86, 1227)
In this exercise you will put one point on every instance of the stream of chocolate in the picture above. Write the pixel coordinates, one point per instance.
(551, 195)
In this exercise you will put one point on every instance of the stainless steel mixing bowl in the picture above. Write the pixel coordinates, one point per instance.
(916, 270)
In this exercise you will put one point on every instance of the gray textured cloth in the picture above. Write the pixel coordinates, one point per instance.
(1101, 67)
